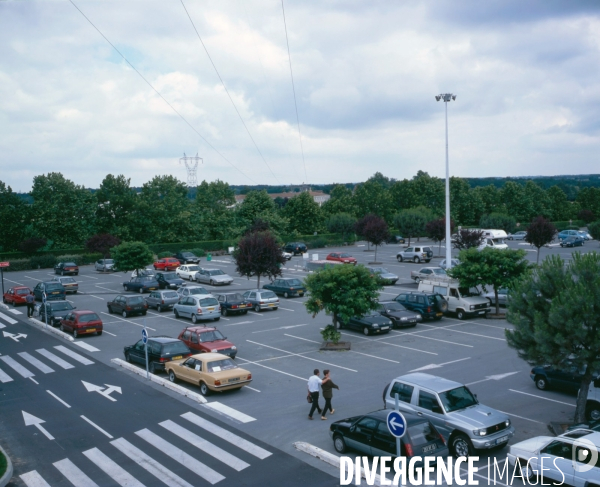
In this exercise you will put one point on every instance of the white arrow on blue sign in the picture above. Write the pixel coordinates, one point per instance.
(396, 424)
(144, 335)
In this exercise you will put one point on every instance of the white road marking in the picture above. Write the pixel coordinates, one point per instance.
(493, 377)
(107, 289)
(239, 323)
(57, 398)
(434, 339)
(300, 338)
(34, 381)
(437, 366)
(29, 277)
(248, 362)
(112, 469)
(128, 321)
(228, 436)
(520, 417)
(96, 426)
(293, 311)
(108, 332)
(4, 377)
(252, 389)
(57, 360)
(73, 355)
(15, 282)
(232, 413)
(87, 346)
(97, 297)
(542, 397)
(180, 456)
(17, 367)
(36, 363)
(465, 332)
(378, 340)
(8, 319)
(280, 328)
(89, 277)
(148, 463)
(373, 356)
(14, 311)
(74, 474)
(33, 479)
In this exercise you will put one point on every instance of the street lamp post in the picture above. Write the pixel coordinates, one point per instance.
(446, 97)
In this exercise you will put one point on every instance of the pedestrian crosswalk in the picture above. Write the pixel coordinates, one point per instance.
(25, 362)
(162, 453)
(6, 319)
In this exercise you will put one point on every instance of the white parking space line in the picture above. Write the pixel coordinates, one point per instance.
(97, 297)
(542, 397)
(57, 398)
(378, 340)
(74, 474)
(252, 389)
(35, 279)
(373, 356)
(299, 338)
(229, 411)
(14, 282)
(302, 356)
(429, 338)
(111, 290)
(280, 307)
(476, 323)
(128, 321)
(89, 277)
(521, 417)
(8, 319)
(109, 333)
(458, 331)
(280, 328)
(248, 362)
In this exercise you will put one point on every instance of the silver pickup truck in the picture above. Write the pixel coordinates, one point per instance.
(462, 302)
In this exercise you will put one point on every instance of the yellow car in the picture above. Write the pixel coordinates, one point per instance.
(212, 372)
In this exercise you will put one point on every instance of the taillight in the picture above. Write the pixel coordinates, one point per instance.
(249, 376)
(162, 301)
(429, 309)
(409, 450)
(128, 308)
(262, 302)
(234, 306)
(163, 359)
(199, 310)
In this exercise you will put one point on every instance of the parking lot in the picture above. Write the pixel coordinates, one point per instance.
(281, 349)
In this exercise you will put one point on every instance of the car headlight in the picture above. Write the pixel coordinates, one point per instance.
(375, 326)
(472, 307)
(234, 348)
(480, 432)
(507, 423)
(214, 350)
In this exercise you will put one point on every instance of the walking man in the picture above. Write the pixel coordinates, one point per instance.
(313, 389)
(327, 385)
(30, 302)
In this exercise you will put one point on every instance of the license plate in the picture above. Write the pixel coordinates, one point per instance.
(429, 448)
(482, 312)
(178, 357)
(91, 330)
(502, 440)
(300, 293)
(234, 380)
(271, 305)
(412, 321)
(152, 288)
(210, 309)
(438, 314)
(385, 327)
(55, 292)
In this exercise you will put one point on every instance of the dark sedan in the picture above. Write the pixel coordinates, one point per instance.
(143, 284)
(369, 434)
(233, 303)
(64, 268)
(53, 290)
(287, 287)
(169, 280)
(56, 311)
(127, 305)
(572, 242)
(369, 324)
(566, 376)
(160, 351)
(296, 248)
(400, 316)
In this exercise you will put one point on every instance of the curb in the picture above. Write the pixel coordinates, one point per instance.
(328, 458)
(194, 396)
(5, 479)
(51, 329)
(490, 316)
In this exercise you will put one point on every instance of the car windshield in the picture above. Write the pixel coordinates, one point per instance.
(209, 302)
(466, 292)
(175, 348)
(135, 300)
(146, 278)
(211, 336)
(88, 317)
(267, 295)
(193, 268)
(198, 290)
(67, 279)
(459, 398)
(187, 254)
(234, 297)
(170, 294)
(170, 275)
(51, 286)
(22, 291)
(294, 282)
(393, 307)
(219, 365)
(439, 272)
(345, 255)
(70, 264)
(60, 306)
(216, 272)
(109, 261)
(379, 270)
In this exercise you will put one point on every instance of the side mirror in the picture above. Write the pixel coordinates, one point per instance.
(352, 428)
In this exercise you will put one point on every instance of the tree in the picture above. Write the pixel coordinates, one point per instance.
(372, 197)
(341, 223)
(594, 229)
(304, 214)
(214, 204)
(14, 215)
(467, 239)
(586, 215)
(373, 229)
(131, 256)
(540, 232)
(258, 205)
(258, 254)
(117, 207)
(436, 231)
(465, 205)
(411, 223)
(340, 201)
(556, 313)
(490, 197)
(32, 245)
(342, 290)
(499, 221)
(560, 206)
(102, 243)
(498, 268)
(429, 192)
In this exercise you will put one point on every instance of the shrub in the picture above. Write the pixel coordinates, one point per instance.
(162, 255)
(499, 221)
(200, 252)
(317, 243)
(32, 245)
(330, 334)
(43, 261)
(80, 259)
(19, 265)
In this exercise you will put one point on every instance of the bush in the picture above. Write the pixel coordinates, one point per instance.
(499, 221)
(18, 265)
(330, 334)
(80, 259)
(200, 252)
(317, 243)
(594, 229)
(162, 255)
(43, 261)
(566, 225)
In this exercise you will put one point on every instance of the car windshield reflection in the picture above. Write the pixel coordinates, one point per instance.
(459, 398)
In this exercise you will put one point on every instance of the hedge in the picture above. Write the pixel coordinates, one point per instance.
(48, 261)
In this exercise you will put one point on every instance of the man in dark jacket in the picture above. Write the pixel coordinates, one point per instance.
(30, 302)
(327, 385)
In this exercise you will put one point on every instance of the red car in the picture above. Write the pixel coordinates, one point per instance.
(167, 264)
(203, 339)
(16, 295)
(342, 257)
(81, 322)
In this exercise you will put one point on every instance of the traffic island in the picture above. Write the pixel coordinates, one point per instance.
(6, 468)
(494, 316)
(335, 347)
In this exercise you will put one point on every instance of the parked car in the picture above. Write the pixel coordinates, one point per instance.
(427, 273)
(206, 339)
(81, 322)
(162, 300)
(71, 285)
(465, 424)
(369, 434)
(192, 291)
(296, 248)
(262, 299)
(54, 291)
(213, 372)
(572, 242)
(584, 235)
(187, 271)
(286, 255)
(400, 316)
(161, 350)
(143, 272)
(198, 308)
(233, 303)
(453, 262)
(429, 305)
(397, 239)
(517, 235)
(169, 280)
(417, 254)
(503, 297)
(567, 233)
(127, 305)
(64, 268)
(16, 295)
(214, 277)
(143, 284)
(570, 459)
(464, 302)
(56, 311)
(385, 276)
(287, 287)
(566, 376)
(370, 324)
(344, 257)
(105, 265)
(166, 264)
(187, 258)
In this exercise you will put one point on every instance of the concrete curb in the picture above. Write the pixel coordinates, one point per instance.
(51, 329)
(327, 457)
(194, 396)
(5, 479)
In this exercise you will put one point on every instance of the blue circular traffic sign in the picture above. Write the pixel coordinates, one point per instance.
(396, 424)
(144, 335)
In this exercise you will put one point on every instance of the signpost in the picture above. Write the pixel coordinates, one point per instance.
(2, 266)
(396, 424)
(45, 308)
(145, 340)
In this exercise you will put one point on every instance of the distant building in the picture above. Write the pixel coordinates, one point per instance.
(318, 196)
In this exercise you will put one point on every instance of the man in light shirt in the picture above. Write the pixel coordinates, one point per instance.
(314, 384)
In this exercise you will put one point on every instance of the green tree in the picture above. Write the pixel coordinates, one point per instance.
(342, 290)
(468, 239)
(341, 223)
(116, 208)
(411, 222)
(465, 205)
(556, 313)
(14, 215)
(258, 205)
(498, 221)
(436, 231)
(258, 254)
(340, 201)
(429, 192)
(589, 199)
(63, 212)
(560, 207)
(540, 232)
(372, 197)
(512, 197)
(304, 214)
(594, 229)
(490, 267)
(489, 197)
(131, 256)
(214, 208)
(537, 200)
(402, 196)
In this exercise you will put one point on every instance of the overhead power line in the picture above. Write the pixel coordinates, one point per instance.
(162, 97)
(227, 91)
(294, 90)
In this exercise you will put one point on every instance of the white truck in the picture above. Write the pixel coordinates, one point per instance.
(494, 239)
(592, 406)
(463, 302)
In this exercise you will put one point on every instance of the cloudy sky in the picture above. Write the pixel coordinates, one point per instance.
(526, 76)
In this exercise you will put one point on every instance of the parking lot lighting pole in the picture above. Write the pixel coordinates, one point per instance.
(446, 97)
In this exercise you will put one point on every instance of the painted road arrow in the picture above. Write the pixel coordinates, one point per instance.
(437, 366)
(101, 390)
(14, 337)
(30, 419)
(493, 377)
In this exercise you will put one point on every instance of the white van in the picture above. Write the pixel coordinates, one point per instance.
(494, 239)
(461, 301)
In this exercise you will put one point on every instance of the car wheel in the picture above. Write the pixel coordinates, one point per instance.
(224, 311)
(141, 290)
(62, 328)
(4, 301)
(194, 319)
(339, 444)
(152, 368)
(217, 318)
(110, 310)
(444, 306)
(460, 314)
(125, 288)
(204, 390)
(257, 308)
(399, 258)
(593, 411)
(99, 333)
(461, 446)
(416, 260)
(245, 312)
(144, 313)
(541, 383)
(127, 358)
(417, 279)
(286, 295)
(172, 376)
(212, 283)
(124, 314)
(75, 334)
(176, 313)
(366, 331)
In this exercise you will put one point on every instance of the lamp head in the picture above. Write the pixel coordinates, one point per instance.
(454, 97)
(438, 97)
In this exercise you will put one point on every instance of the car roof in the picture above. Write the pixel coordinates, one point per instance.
(411, 418)
(431, 382)
(200, 328)
(164, 339)
(84, 312)
(210, 356)
(20, 287)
